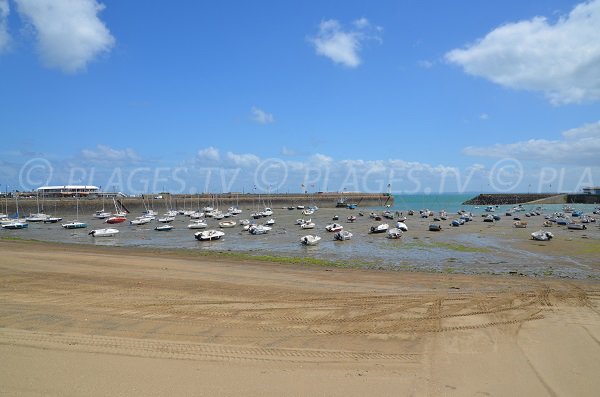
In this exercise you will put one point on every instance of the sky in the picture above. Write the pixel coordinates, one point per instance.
(288, 96)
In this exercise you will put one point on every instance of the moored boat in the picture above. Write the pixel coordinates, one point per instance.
(209, 235)
(107, 232)
(334, 227)
(163, 228)
(394, 233)
(382, 228)
(310, 239)
(342, 235)
(541, 235)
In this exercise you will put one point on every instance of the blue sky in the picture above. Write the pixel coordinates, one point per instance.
(193, 96)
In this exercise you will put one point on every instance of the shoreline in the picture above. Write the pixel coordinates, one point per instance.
(156, 323)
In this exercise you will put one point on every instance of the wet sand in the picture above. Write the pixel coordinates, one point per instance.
(106, 321)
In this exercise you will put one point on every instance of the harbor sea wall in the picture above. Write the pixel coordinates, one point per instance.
(537, 198)
(160, 202)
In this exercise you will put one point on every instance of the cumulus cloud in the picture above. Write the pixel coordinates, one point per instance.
(262, 117)
(243, 160)
(209, 153)
(343, 46)
(4, 35)
(69, 33)
(579, 146)
(561, 59)
(106, 154)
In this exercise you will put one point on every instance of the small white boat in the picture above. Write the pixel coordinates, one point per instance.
(308, 211)
(541, 235)
(36, 218)
(402, 226)
(310, 240)
(576, 226)
(334, 227)
(490, 208)
(15, 225)
(101, 214)
(351, 219)
(267, 212)
(163, 228)
(234, 210)
(342, 235)
(382, 228)
(74, 225)
(302, 221)
(394, 233)
(197, 225)
(140, 221)
(107, 232)
(488, 218)
(52, 219)
(209, 235)
(227, 224)
(244, 222)
(196, 215)
(270, 222)
(307, 225)
(258, 229)
(166, 219)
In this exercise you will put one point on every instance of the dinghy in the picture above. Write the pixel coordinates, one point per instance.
(402, 226)
(227, 224)
(382, 228)
(163, 228)
(107, 232)
(342, 235)
(197, 225)
(434, 227)
(310, 240)
(541, 235)
(209, 235)
(334, 227)
(394, 233)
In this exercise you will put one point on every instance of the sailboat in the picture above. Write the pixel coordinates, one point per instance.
(75, 224)
(101, 214)
(16, 223)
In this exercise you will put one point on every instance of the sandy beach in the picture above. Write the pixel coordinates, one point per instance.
(108, 321)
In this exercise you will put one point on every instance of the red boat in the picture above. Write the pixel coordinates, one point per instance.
(116, 219)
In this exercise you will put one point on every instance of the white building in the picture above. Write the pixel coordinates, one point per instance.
(67, 190)
(591, 190)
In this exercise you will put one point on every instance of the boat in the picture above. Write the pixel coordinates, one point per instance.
(74, 225)
(308, 225)
(541, 235)
(197, 225)
(394, 233)
(166, 219)
(244, 222)
(548, 223)
(455, 223)
(267, 211)
(351, 218)
(308, 211)
(116, 219)
(300, 207)
(351, 206)
(234, 210)
(488, 218)
(270, 222)
(563, 221)
(163, 228)
(101, 214)
(382, 228)
(209, 235)
(402, 226)
(576, 226)
(108, 232)
(52, 219)
(434, 227)
(258, 229)
(335, 218)
(310, 239)
(196, 215)
(520, 224)
(15, 225)
(334, 227)
(39, 217)
(227, 224)
(342, 235)
(142, 220)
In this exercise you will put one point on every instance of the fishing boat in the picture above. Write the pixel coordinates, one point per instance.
(576, 226)
(382, 228)
(310, 239)
(342, 235)
(209, 235)
(227, 224)
(163, 228)
(334, 227)
(541, 235)
(434, 227)
(197, 225)
(108, 232)
(402, 226)
(15, 225)
(394, 233)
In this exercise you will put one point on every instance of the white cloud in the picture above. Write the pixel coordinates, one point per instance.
(343, 46)
(579, 146)
(286, 151)
(106, 154)
(562, 60)
(4, 35)
(209, 153)
(484, 116)
(69, 33)
(262, 117)
(425, 64)
(243, 160)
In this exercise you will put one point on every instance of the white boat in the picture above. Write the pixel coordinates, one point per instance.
(490, 208)
(310, 240)
(74, 225)
(166, 219)
(226, 224)
(259, 229)
(209, 235)
(270, 222)
(382, 228)
(244, 222)
(36, 217)
(488, 218)
(394, 233)
(351, 219)
(267, 212)
(541, 235)
(302, 221)
(108, 232)
(140, 221)
(234, 210)
(308, 211)
(308, 225)
(334, 227)
(402, 226)
(342, 235)
(576, 226)
(52, 219)
(196, 215)
(15, 225)
(197, 225)
(163, 228)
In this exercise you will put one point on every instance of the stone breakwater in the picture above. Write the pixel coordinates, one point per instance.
(160, 202)
(538, 198)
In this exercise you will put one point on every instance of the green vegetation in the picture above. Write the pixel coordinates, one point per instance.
(448, 246)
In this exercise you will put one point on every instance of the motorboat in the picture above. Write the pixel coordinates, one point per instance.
(234, 210)
(308, 225)
(227, 224)
(166, 219)
(197, 225)
(542, 235)
(489, 218)
(394, 233)
(101, 214)
(52, 219)
(163, 228)
(490, 208)
(335, 218)
(342, 235)
(310, 239)
(434, 227)
(334, 227)
(455, 223)
(382, 228)
(196, 215)
(520, 224)
(267, 212)
(308, 211)
(15, 225)
(270, 222)
(258, 229)
(402, 226)
(244, 222)
(576, 226)
(209, 235)
(107, 232)
(351, 219)
(140, 221)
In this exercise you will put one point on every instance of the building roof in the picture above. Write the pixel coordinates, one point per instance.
(71, 187)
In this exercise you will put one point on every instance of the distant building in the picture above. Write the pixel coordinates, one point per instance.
(591, 190)
(68, 191)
